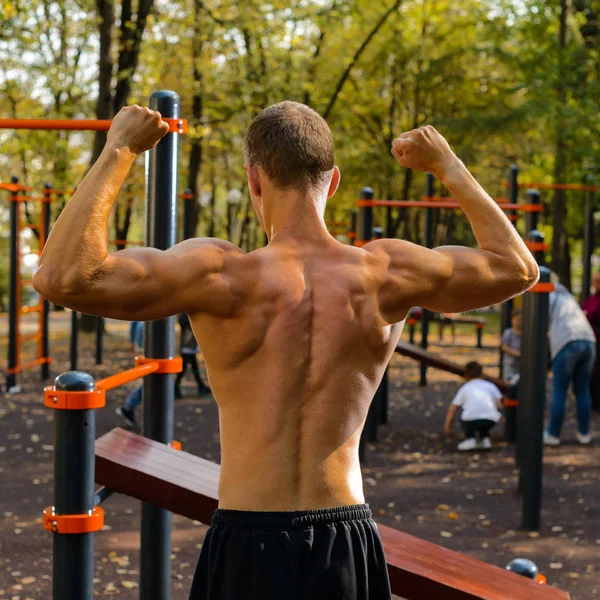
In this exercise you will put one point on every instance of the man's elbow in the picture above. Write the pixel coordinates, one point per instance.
(56, 287)
(530, 272)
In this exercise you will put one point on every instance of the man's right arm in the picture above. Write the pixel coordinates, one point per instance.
(453, 278)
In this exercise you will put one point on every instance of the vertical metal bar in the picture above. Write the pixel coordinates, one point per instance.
(532, 399)
(353, 226)
(74, 436)
(45, 304)
(189, 224)
(99, 339)
(428, 243)
(74, 340)
(532, 218)
(588, 246)
(159, 390)
(365, 216)
(384, 387)
(13, 297)
(507, 307)
(389, 222)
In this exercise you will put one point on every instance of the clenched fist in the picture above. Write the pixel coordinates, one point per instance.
(137, 128)
(424, 149)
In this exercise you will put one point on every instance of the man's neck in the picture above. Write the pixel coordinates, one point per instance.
(293, 215)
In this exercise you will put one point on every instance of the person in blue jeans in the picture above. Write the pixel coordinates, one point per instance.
(127, 411)
(573, 352)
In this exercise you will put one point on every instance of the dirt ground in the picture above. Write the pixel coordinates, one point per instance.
(415, 480)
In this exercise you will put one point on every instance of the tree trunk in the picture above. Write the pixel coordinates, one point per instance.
(559, 207)
(106, 22)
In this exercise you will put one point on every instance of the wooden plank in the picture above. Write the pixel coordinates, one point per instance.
(188, 485)
(420, 570)
(437, 362)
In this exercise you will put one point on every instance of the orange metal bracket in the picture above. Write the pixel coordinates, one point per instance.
(70, 524)
(511, 403)
(536, 246)
(63, 400)
(542, 288)
(175, 445)
(165, 365)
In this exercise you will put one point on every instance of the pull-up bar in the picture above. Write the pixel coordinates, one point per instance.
(175, 125)
(440, 204)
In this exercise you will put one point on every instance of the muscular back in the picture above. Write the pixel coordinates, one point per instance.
(294, 360)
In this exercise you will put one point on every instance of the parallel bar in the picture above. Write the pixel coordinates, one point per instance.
(29, 364)
(435, 204)
(588, 246)
(45, 305)
(109, 383)
(428, 243)
(74, 340)
(506, 308)
(175, 125)
(159, 389)
(13, 298)
(532, 399)
(74, 437)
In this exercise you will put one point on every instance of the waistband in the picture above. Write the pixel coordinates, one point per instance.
(300, 518)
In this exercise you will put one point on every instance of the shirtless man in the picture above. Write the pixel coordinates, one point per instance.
(296, 337)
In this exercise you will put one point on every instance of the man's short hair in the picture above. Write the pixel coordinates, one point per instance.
(292, 144)
(473, 369)
(516, 312)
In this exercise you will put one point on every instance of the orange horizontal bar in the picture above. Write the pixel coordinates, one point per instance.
(513, 218)
(438, 204)
(126, 242)
(29, 337)
(511, 403)
(175, 125)
(29, 365)
(360, 243)
(351, 235)
(12, 198)
(30, 309)
(15, 187)
(186, 196)
(25, 282)
(58, 192)
(578, 187)
(108, 383)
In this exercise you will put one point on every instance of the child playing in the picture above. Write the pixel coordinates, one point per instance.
(481, 402)
(511, 345)
(189, 349)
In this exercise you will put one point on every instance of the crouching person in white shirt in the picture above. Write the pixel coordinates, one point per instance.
(481, 402)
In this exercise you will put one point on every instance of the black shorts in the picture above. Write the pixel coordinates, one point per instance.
(329, 554)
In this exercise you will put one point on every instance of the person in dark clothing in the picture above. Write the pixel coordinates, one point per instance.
(591, 308)
(188, 349)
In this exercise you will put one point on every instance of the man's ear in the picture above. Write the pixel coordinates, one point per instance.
(253, 180)
(335, 182)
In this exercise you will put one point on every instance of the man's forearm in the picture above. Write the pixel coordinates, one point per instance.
(80, 232)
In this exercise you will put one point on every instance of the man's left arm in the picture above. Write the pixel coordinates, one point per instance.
(76, 269)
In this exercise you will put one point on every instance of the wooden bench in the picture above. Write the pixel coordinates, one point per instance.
(437, 362)
(187, 485)
(442, 319)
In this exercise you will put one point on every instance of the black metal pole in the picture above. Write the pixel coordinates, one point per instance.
(365, 216)
(532, 218)
(159, 389)
(507, 307)
(46, 305)
(189, 214)
(74, 437)
(99, 339)
(532, 399)
(353, 226)
(384, 389)
(74, 340)
(588, 246)
(389, 223)
(428, 243)
(13, 297)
